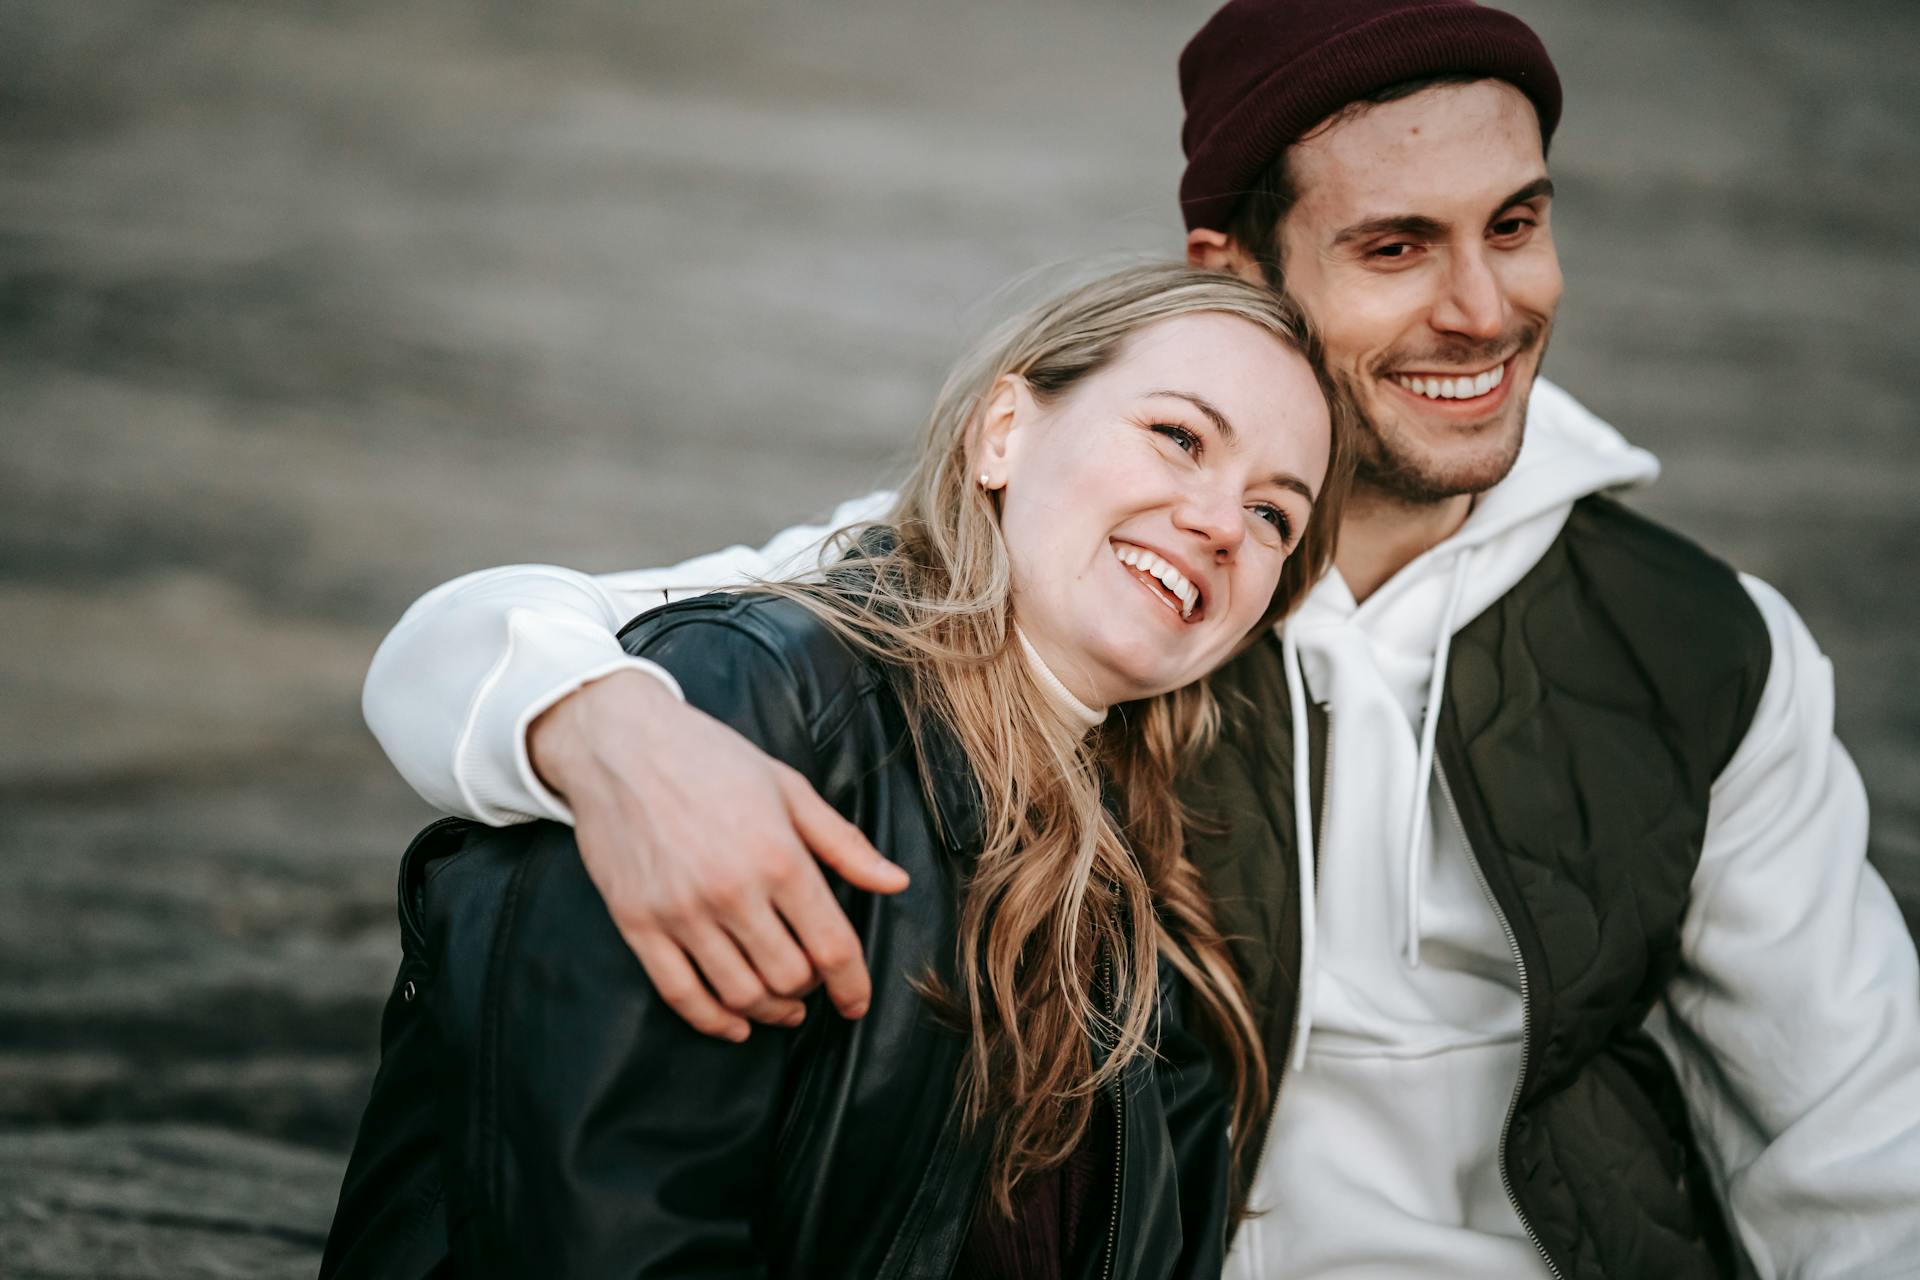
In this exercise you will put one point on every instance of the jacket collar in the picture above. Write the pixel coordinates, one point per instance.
(952, 787)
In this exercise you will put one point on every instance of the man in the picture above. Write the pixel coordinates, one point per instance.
(1547, 873)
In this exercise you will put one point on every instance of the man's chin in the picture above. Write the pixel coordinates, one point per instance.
(1421, 463)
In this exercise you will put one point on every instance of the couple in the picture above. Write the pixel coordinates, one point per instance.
(1523, 863)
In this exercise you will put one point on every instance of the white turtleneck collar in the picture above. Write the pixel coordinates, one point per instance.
(1071, 709)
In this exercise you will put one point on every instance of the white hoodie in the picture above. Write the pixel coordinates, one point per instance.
(1383, 1156)
(1794, 1023)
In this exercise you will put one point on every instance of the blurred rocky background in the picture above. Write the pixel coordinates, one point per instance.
(305, 307)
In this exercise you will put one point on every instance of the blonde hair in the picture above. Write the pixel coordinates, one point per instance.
(1058, 882)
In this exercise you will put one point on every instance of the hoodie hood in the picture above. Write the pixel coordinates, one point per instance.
(1567, 454)
(1380, 665)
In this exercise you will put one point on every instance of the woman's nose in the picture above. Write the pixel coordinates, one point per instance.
(1214, 516)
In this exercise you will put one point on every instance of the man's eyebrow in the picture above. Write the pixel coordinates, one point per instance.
(1421, 227)
(1535, 190)
(1205, 406)
(1416, 225)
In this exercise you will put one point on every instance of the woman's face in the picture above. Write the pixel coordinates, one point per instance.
(1148, 511)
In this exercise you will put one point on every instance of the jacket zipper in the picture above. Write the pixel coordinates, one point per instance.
(1119, 1132)
(1526, 1018)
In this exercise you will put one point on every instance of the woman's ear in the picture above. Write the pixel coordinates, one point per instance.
(1008, 406)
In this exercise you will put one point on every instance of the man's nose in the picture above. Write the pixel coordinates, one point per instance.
(1473, 304)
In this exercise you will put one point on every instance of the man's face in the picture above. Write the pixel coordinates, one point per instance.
(1420, 245)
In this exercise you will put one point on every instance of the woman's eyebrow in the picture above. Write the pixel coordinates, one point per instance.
(1205, 406)
(1280, 479)
(1288, 480)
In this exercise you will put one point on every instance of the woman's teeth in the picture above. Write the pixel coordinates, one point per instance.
(1169, 577)
(1453, 388)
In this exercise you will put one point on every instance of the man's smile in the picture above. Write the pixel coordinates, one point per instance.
(1444, 386)
(1455, 392)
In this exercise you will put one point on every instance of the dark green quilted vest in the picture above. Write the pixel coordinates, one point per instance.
(1587, 714)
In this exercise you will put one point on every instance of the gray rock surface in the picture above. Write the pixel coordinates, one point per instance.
(163, 1199)
(306, 308)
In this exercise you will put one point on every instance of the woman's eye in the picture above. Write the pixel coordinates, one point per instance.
(1277, 518)
(1187, 441)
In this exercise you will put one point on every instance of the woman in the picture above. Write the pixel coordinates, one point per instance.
(997, 686)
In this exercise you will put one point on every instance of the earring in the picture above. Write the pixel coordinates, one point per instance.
(986, 481)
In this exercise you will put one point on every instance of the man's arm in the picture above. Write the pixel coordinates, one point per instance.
(456, 684)
(1795, 1024)
(503, 695)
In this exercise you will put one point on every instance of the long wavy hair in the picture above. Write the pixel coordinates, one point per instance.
(1066, 909)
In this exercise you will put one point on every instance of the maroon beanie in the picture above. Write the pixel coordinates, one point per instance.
(1263, 72)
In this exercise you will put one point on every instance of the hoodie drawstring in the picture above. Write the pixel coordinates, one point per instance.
(1303, 803)
(1423, 771)
(1303, 846)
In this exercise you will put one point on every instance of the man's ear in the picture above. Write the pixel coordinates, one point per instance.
(1210, 250)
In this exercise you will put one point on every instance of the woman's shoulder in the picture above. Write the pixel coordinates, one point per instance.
(727, 645)
(743, 622)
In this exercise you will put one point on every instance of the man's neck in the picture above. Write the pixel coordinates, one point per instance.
(1381, 534)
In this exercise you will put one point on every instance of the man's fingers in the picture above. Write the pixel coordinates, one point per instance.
(674, 978)
(780, 963)
(830, 943)
(775, 956)
(718, 958)
(679, 984)
(777, 1011)
(837, 842)
(810, 907)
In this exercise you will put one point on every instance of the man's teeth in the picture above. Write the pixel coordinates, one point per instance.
(1453, 388)
(1171, 578)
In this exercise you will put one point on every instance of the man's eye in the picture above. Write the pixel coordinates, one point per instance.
(1276, 517)
(1392, 251)
(1185, 439)
(1507, 228)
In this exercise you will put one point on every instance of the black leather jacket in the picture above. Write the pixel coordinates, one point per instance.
(539, 1110)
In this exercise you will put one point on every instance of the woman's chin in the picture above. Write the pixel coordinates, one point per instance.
(1148, 673)
(1126, 658)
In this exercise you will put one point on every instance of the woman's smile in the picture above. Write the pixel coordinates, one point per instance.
(1172, 589)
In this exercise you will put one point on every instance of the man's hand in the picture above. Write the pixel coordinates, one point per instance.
(704, 848)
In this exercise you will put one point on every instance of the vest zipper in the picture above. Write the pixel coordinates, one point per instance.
(1526, 1018)
(1266, 1131)
(1293, 1024)
(1326, 790)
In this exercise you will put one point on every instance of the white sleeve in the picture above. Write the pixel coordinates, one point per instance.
(455, 685)
(1795, 1021)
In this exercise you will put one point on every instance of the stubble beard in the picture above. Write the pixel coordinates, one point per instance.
(1397, 468)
